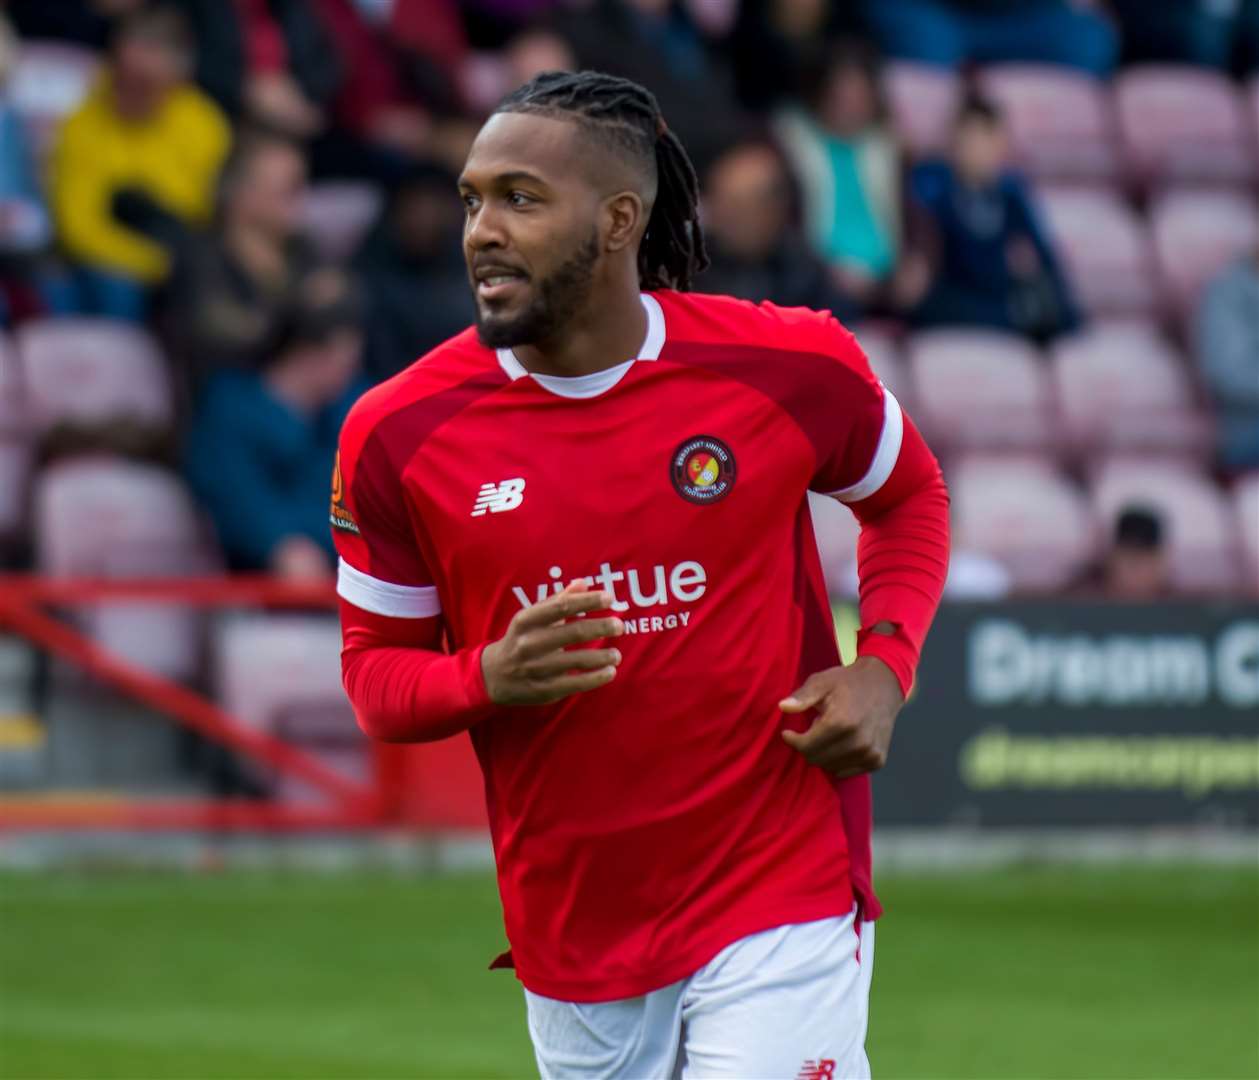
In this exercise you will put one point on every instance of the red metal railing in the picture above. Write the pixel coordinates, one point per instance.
(23, 600)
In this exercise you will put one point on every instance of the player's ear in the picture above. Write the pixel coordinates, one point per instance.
(624, 219)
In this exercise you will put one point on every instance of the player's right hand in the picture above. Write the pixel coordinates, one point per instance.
(534, 664)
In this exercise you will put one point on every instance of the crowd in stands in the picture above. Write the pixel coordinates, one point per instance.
(1039, 216)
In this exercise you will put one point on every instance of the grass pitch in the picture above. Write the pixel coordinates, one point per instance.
(1134, 973)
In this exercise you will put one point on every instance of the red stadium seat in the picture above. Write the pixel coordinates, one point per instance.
(1196, 234)
(1180, 123)
(1106, 248)
(107, 518)
(1025, 514)
(337, 214)
(1121, 386)
(92, 371)
(980, 388)
(886, 361)
(1246, 502)
(282, 674)
(1060, 121)
(49, 80)
(923, 99)
(1200, 529)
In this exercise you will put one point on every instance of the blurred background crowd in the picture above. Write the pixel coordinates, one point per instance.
(221, 220)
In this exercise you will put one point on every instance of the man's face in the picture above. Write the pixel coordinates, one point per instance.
(746, 202)
(979, 151)
(1136, 573)
(531, 233)
(147, 63)
(269, 197)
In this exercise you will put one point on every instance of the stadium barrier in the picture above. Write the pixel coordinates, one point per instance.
(387, 798)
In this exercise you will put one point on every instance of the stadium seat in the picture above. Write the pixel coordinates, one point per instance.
(93, 371)
(15, 449)
(49, 80)
(1196, 234)
(1121, 386)
(1252, 93)
(337, 214)
(885, 358)
(923, 100)
(1201, 537)
(1180, 123)
(1060, 121)
(1106, 248)
(101, 517)
(980, 388)
(1246, 503)
(282, 674)
(1025, 514)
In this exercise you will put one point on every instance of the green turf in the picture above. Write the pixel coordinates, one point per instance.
(1032, 973)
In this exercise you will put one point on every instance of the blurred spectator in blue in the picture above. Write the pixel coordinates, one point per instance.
(949, 33)
(1213, 33)
(24, 224)
(84, 22)
(756, 252)
(262, 443)
(994, 265)
(413, 274)
(139, 157)
(233, 285)
(852, 174)
(269, 61)
(1228, 356)
(656, 43)
(773, 39)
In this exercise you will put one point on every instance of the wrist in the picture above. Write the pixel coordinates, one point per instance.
(894, 655)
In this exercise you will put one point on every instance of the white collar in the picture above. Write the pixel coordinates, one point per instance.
(598, 382)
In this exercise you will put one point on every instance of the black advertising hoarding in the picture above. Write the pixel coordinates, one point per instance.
(1064, 713)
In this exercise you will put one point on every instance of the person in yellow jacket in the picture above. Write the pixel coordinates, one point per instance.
(144, 137)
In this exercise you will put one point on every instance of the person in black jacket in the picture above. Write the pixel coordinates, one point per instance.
(756, 252)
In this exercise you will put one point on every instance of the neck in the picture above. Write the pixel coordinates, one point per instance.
(609, 332)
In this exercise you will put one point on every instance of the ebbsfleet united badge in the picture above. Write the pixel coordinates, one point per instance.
(702, 469)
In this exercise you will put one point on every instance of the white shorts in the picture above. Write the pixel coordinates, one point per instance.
(787, 1004)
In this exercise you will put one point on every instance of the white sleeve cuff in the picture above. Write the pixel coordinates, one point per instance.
(885, 454)
(385, 598)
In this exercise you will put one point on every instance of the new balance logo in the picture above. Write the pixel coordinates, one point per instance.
(823, 1069)
(496, 498)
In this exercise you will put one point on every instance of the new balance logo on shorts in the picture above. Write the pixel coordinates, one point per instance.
(496, 498)
(817, 1070)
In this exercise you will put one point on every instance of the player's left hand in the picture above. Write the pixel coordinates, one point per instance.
(856, 710)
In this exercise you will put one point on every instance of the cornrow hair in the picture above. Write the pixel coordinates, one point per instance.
(628, 117)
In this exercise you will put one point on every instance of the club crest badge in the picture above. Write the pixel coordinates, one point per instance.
(702, 470)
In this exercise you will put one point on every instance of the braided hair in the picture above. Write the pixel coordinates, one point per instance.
(627, 117)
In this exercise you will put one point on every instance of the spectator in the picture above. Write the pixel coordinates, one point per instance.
(1136, 565)
(1206, 32)
(262, 444)
(234, 285)
(414, 252)
(267, 61)
(24, 225)
(950, 33)
(756, 253)
(656, 43)
(772, 41)
(1228, 353)
(144, 136)
(857, 215)
(84, 22)
(994, 264)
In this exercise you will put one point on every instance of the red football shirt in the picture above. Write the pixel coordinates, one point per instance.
(641, 827)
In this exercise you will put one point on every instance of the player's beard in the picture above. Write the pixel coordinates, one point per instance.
(559, 296)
